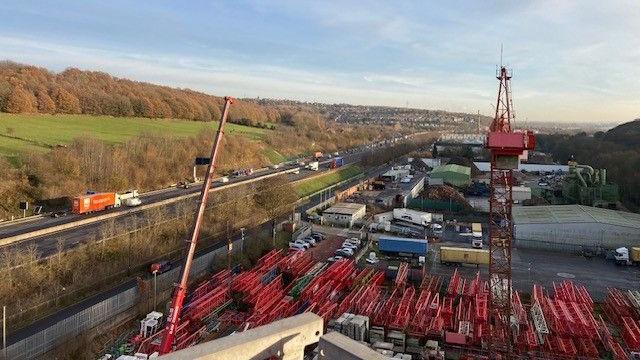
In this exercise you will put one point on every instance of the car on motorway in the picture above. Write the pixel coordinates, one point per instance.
(224, 179)
(58, 214)
(182, 185)
(296, 171)
(133, 202)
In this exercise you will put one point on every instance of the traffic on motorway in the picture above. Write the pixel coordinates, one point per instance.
(43, 232)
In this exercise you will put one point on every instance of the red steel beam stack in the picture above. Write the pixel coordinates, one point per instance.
(400, 319)
(401, 277)
(617, 306)
(454, 284)
(383, 309)
(631, 333)
(420, 320)
(296, 263)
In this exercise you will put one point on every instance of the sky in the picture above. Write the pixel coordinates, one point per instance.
(572, 61)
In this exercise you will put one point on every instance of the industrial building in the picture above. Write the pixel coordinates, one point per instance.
(344, 214)
(574, 228)
(453, 174)
(399, 193)
(485, 166)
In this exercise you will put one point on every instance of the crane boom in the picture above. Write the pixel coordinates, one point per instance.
(173, 319)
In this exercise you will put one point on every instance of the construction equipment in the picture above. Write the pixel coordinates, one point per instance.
(588, 186)
(180, 292)
(506, 146)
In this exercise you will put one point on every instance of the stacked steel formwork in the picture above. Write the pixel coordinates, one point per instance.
(558, 324)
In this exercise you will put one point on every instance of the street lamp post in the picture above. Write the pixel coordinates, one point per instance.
(155, 289)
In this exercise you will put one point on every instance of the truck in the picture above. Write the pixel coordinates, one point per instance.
(459, 255)
(398, 245)
(626, 256)
(336, 162)
(412, 216)
(130, 198)
(317, 155)
(313, 166)
(93, 202)
(476, 231)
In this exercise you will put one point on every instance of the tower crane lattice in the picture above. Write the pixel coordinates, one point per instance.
(505, 146)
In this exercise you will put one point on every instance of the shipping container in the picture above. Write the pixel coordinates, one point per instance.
(313, 166)
(403, 245)
(455, 255)
(93, 202)
(635, 254)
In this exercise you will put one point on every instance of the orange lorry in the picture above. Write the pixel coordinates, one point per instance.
(93, 202)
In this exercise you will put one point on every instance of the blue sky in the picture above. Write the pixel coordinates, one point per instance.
(572, 60)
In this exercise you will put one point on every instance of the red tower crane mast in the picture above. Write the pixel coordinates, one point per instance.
(173, 319)
(505, 146)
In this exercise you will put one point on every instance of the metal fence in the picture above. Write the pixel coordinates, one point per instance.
(102, 312)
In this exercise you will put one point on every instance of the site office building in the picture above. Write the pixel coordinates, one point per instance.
(344, 214)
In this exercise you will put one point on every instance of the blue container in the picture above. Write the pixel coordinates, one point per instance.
(403, 245)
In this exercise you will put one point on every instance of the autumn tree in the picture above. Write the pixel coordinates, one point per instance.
(45, 103)
(66, 102)
(19, 101)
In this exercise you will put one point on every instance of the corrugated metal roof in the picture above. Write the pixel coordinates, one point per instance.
(452, 168)
(345, 208)
(559, 214)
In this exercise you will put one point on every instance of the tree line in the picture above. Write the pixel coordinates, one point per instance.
(31, 89)
(617, 150)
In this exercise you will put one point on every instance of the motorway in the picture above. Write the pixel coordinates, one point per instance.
(47, 244)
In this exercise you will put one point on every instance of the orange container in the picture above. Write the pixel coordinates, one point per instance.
(94, 202)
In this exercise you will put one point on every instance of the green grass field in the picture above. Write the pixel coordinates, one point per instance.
(40, 132)
(310, 186)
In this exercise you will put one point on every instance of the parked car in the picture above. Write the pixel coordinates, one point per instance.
(347, 251)
(349, 245)
(309, 240)
(297, 247)
(355, 241)
(300, 242)
(335, 258)
(318, 236)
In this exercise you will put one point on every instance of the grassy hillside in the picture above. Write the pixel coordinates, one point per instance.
(24, 132)
(310, 186)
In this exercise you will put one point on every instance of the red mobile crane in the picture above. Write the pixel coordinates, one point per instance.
(505, 146)
(173, 320)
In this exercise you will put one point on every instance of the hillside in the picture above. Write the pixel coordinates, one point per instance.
(617, 150)
(30, 89)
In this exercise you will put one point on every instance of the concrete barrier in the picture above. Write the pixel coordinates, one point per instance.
(98, 218)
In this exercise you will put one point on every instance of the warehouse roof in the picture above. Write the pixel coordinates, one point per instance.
(345, 208)
(557, 214)
(452, 168)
